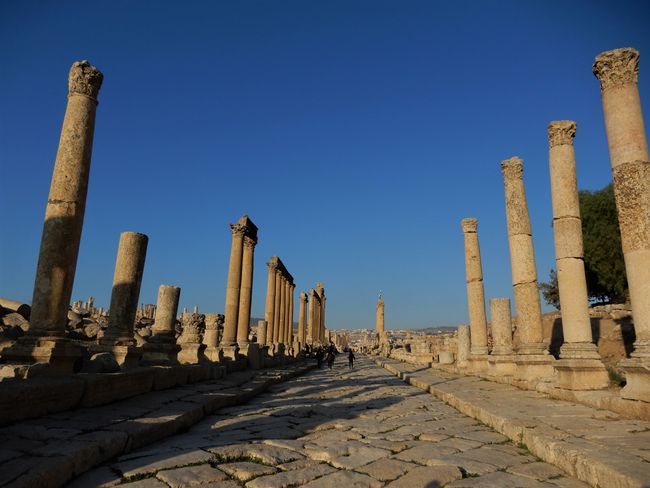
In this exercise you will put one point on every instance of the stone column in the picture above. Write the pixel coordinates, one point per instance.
(291, 306)
(261, 332)
(129, 267)
(212, 350)
(502, 360)
(475, 293)
(161, 345)
(379, 318)
(276, 313)
(463, 345)
(243, 322)
(302, 336)
(234, 285)
(64, 214)
(533, 361)
(618, 73)
(283, 309)
(269, 310)
(580, 367)
(311, 338)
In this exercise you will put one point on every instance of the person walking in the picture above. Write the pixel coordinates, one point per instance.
(351, 360)
(330, 359)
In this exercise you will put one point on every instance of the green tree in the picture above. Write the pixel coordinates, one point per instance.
(604, 265)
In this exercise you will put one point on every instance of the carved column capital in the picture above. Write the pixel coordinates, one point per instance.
(249, 242)
(469, 225)
(513, 168)
(303, 296)
(237, 230)
(617, 67)
(561, 132)
(84, 79)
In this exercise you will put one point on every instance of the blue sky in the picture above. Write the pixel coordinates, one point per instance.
(356, 135)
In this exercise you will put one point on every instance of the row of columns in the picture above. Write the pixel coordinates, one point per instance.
(579, 366)
(278, 314)
(316, 318)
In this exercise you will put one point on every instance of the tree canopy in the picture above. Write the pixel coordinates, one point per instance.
(604, 265)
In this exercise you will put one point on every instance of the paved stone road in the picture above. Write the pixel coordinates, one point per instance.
(339, 429)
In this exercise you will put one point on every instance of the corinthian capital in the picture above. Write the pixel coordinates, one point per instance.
(561, 132)
(617, 67)
(469, 225)
(249, 242)
(84, 79)
(237, 229)
(512, 168)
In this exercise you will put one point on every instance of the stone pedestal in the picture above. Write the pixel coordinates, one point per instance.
(191, 353)
(60, 354)
(230, 352)
(532, 368)
(253, 355)
(214, 354)
(445, 357)
(477, 363)
(581, 374)
(501, 365)
(637, 375)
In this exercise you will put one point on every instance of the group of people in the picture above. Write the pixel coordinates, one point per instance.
(328, 354)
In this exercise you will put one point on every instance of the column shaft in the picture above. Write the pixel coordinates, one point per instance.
(129, 267)
(618, 72)
(311, 338)
(302, 336)
(522, 260)
(269, 310)
(246, 290)
(291, 289)
(283, 309)
(66, 204)
(567, 228)
(475, 292)
(501, 326)
(234, 285)
(379, 318)
(463, 344)
(164, 328)
(278, 299)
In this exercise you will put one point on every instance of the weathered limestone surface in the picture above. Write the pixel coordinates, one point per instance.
(343, 429)
(618, 72)
(501, 361)
(269, 310)
(302, 314)
(596, 446)
(161, 345)
(246, 291)
(51, 450)
(464, 342)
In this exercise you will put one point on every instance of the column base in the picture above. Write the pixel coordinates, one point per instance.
(445, 357)
(533, 349)
(637, 374)
(191, 353)
(214, 354)
(579, 350)
(534, 367)
(127, 356)
(581, 374)
(477, 363)
(501, 365)
(278, 350)
(159, 354)
(58, 355)
(253, 354)
(230, 352)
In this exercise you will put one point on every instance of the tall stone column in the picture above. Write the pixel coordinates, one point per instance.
(283, 308)
(129, 267)
(278, 300)
(580, 367)
(311, 337)
(64, 214)
(463, 346)
(302, 335)
(533, 361)
(317, 326)
(618, 73)
(269, 310)
(246, 290)
(475, 292)
(261, 332)
(161, 346)
(234, 285)
(379, 318)
(502, 360)
(291, 289)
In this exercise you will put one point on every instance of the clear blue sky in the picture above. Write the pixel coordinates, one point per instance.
(356, 135)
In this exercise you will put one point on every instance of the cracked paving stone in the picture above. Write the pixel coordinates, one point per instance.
(427, 477)
(191, 476)
(246, 471)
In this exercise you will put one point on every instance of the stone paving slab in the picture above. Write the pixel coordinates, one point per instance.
(51, 450)
(334, 428)
(596, 446)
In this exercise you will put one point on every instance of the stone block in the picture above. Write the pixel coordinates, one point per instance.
(109, 387)
(169, 376)
(446, 357)
(637, 374)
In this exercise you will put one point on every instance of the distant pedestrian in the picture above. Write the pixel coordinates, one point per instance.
(351, 359)
(330, 359)
(319, 357)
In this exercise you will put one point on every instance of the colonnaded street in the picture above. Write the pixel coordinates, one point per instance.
(334, 428)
